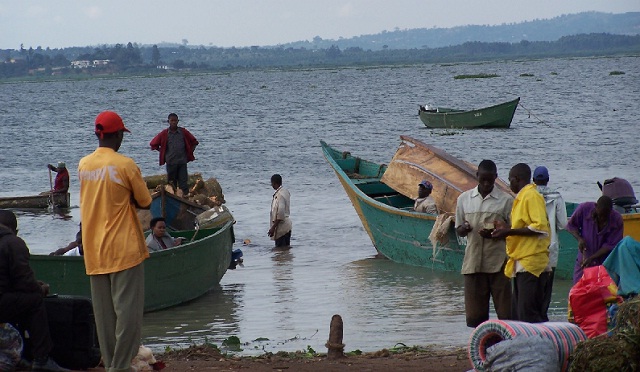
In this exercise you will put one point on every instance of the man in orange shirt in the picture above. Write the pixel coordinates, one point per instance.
(111, 187)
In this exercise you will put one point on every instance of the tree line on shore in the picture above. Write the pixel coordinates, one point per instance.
(134, 58)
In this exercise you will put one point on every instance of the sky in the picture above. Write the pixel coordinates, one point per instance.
(240, 23)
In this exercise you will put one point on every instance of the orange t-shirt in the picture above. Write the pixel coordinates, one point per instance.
(112, 235)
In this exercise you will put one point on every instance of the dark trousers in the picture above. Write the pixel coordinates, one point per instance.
(548, 289)
(26, 312)
(284, 240)
(528, 296)
(478, 289)
(177, 173)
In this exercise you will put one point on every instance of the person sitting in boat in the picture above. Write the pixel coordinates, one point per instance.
(159, 238)
(425, 203)
(73, 249)
(61, 183)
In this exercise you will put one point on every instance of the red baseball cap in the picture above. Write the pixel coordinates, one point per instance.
(109, 122)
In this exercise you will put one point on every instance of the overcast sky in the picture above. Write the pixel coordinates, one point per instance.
(226, 23)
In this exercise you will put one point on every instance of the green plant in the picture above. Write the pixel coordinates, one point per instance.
(476, 76)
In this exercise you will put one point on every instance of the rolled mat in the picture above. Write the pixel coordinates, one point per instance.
(564, 335)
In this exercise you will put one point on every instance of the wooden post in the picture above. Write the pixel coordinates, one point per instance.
(335, 347)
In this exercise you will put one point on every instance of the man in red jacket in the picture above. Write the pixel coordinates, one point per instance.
(176, 146)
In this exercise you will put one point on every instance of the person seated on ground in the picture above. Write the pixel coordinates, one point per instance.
(73, 249)
(21, 295)
(61, 183)
(425, 202)
(159, 238)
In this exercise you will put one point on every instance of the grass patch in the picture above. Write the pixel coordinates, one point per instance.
(476, 76)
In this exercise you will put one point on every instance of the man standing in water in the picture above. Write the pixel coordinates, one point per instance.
(176, 146)
(280, 223)
(484, 256)
(111, 187)
(557, 215)
(527, 246)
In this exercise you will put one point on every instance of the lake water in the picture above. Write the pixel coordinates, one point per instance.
(575, 118)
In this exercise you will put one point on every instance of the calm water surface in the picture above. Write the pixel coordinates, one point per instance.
(575, 118)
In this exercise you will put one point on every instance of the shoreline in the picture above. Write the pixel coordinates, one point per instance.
(207, 357)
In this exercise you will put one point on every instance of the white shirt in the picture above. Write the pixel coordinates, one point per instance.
(557, 215)
(73, 252)
(280, 211)
(425, 205)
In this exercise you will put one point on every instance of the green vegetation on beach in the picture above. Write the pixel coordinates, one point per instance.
(475, 76)
(133, 59)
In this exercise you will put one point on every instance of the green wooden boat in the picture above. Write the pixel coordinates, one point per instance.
(172, 276)
(36, 201)
(498, 116)
(402, 235)
(397, 232)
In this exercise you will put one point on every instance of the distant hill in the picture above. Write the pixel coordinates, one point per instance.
(536, 30)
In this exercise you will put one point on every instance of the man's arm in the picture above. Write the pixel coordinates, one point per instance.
(156, 142)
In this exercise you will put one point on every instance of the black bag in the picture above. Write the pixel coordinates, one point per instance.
(73, 331)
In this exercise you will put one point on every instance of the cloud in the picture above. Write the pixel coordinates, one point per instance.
(345, 10)
(36, 11)
(93, 12)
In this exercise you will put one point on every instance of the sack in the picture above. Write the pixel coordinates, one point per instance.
(522, 354)
(588, 300)
(73, 331)
(10, 347)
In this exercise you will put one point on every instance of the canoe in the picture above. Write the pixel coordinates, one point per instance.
(415, 161)
(497, 116)
(397, 232)
(402, 235)
(36, 201)
(172, 276)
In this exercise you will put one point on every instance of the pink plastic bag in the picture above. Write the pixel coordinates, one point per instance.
(588, 300)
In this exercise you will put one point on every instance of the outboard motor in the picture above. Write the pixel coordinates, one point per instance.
(621, 193)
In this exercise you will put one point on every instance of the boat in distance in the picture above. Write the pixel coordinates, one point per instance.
(497, 116)
(172, 276)
(377, 192)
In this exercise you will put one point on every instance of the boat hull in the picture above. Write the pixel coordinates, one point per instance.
(403, 236)
(172, 276)
(36, 201)
(498, 116)
(397, 233)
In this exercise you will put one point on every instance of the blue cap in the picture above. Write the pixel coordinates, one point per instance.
(540, 173)
(427, 185)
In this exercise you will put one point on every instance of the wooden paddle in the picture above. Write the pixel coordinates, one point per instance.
(51, 185)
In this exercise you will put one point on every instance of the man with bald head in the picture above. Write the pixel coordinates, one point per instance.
(598, 228)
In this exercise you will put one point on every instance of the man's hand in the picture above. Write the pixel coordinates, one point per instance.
(582, 244)
(500, 233)
(44, 287)
(486, 233)
(464, 229)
